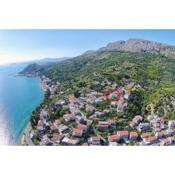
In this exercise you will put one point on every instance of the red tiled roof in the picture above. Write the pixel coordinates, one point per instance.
(81, 126)
(123, 133)
(58, 135)
(53, 127)
(151, 139)
(133, 134)
(113, 137)
(77, 131)
(146, 134)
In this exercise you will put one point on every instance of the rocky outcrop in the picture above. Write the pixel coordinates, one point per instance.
(141, 45)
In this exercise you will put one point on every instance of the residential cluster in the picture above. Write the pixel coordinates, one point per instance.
(91, 119)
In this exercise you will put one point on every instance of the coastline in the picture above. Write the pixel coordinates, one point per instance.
(24, 138)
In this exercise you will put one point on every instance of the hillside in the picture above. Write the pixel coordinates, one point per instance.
(154, 72)
(147, 76)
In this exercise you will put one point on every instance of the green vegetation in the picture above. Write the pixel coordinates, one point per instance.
(152, 76)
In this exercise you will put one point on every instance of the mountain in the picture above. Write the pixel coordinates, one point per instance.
(72, 67)
(141, 45)
(143, 69)
(50, 60)
(36, 66)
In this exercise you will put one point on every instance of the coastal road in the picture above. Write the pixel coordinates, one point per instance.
(27, 136)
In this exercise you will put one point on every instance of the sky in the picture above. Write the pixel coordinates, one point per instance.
(24, 45)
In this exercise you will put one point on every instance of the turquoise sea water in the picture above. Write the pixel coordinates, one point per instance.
(19, 96)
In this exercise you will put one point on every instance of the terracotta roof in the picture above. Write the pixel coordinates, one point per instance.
(95, 138)
(123, 133)
(113, 137)
(58, 135)
(81, 126)
(146, 134)
(133, 134)
(77, 131)
(151, 139)
(53, 127)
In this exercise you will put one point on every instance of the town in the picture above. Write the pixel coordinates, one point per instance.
(92, 118)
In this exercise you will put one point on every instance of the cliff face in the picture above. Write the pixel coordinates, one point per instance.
(141, 45)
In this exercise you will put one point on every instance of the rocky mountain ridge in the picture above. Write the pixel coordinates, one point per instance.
(141, 45)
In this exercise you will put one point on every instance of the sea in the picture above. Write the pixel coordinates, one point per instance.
(19, 96)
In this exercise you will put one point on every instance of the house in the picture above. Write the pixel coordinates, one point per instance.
(65, 107)
(90, 108)
(106, 110)
(40, 125)
(53, 127)
(99, 114)
(43, 113)
(56, 137)
(95, 140)
(146, 135)
(114, 104)
(57, 122)
(79, 119)
(72, 99)
(143, 127)
(120, 107)
(127, 95)
(168, 141)
(159, 134)
(81, 106)
(133, 124)
(156, 122)
(103, 125)
(89, 122)
(171, 124)
(152, 117)
(49, 143)
(157, 126)
(113, 96)
(77, 132)
(133, 136)
(113, 138)
(168, 132)
(69, 117)
(70, 142)
(112, 122)
(150, 140)
(136, 120)
(83, 127)
(85, 144)
(45, 139)
(61, 102)
(113, 144)
(123, 135)
(62, 128)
